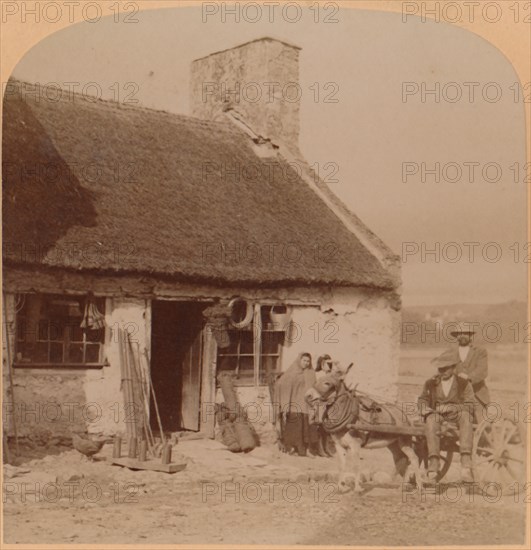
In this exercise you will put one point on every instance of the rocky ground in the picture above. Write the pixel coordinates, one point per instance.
(260, 498)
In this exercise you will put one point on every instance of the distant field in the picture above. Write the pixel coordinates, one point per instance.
(507, 378)
(508, 367)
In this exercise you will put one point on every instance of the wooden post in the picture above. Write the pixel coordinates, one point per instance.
(133, 447)
(142, 455)
(166, 453)
(208, 384)
(9, 360)
(124, 383)
(117, 447)
(5, 449)
(257, 342)
(150, 381)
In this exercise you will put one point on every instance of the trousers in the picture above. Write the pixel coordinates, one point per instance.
(457, 415)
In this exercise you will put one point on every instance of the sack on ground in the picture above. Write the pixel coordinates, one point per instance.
(244, 435)
(228, 436)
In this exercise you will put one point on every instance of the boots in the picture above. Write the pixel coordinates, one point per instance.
(466, 468)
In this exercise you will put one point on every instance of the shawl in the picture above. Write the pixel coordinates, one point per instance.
(291, 387)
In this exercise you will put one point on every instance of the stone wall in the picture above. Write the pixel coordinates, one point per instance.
(48, 402)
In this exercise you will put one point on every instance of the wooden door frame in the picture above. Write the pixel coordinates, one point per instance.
(208, 384)
(191, 387)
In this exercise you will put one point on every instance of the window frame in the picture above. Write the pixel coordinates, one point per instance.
(258, 331)
(67, 336)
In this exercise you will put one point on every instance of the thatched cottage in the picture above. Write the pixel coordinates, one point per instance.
(121, 217)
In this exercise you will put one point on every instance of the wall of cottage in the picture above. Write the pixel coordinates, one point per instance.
(104, 388)
(351, 325)
(48, 404)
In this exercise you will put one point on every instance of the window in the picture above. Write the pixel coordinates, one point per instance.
(272, 342)
(239, 356)
(49, 331)
(245, 344)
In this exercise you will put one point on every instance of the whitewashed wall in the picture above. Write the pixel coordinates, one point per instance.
(351, 325)
(58, 401)
(103, 386)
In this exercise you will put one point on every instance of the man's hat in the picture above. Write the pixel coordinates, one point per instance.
(462, 328)
(448, 358)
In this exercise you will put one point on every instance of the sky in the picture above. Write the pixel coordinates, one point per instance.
(385, 136)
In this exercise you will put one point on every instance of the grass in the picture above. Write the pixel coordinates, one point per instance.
(507, 364)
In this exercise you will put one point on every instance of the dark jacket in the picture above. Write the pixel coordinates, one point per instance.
(464, 394)
(475, 366)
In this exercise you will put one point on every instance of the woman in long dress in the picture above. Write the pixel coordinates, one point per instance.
(292, 410)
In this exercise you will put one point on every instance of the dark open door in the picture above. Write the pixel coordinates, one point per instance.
(176, 356)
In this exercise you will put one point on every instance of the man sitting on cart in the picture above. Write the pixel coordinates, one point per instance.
(448, 398)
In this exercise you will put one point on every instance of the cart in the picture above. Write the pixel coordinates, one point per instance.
(498, 455)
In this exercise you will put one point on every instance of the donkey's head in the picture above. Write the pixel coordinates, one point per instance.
(319, 395)
(327, 385)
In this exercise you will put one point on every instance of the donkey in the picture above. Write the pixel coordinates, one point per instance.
(334, 406)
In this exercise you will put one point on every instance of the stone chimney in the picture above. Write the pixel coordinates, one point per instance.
(257, 83)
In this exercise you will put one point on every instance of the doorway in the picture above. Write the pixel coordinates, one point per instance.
(176, 357)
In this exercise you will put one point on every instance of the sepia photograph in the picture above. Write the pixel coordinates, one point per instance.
(265, 273)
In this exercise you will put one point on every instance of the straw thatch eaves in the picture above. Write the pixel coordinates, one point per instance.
(94, 185)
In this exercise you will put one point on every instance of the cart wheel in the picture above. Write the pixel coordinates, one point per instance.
(499, 454)
(445, 458)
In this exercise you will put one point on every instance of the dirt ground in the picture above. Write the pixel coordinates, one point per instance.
(54, 495)
(179, 516)
(260, 498)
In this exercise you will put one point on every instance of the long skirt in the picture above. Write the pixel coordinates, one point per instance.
(298, 434)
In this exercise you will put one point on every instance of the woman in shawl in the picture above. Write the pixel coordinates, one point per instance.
(291, 408)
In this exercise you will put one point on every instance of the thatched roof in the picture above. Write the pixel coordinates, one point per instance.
(96, 185)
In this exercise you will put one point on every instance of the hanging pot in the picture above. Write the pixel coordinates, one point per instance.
(280, 319)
